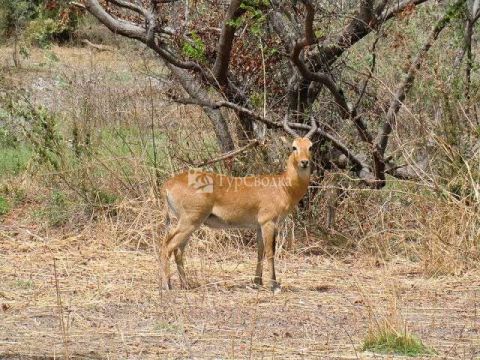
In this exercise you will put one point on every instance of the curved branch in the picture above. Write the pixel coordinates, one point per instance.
(147, 36)
(405, 85)
(409, 77)
(115, 25)
(360, 167)
(366, 20)
(388, 13)
(130, 6)
(225, 43)
(229, 155)
(309, 39)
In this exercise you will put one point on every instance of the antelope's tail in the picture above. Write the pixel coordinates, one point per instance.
(166, 207)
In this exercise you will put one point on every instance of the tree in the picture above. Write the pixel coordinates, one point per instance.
(15, 17)
(285, 49)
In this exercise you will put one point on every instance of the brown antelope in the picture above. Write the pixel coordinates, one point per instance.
(220, 201)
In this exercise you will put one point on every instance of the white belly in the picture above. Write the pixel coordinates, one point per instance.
(218, 223)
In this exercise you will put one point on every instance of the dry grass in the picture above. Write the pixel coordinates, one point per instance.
(113, 308)
(405, 244)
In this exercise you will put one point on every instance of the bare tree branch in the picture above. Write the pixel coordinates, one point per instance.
(360, 167)
(405, 85)
(369, 76)
(201, 97)
(229, 154)
(115, 25)
(324, 79)
(131, 6)
(130, 30)
(366, 20)
(409, 77)
(473, 15)
(225, 43)
(77, 4)
(398, 7)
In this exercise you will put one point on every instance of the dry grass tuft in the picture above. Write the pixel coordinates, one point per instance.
(388, 334)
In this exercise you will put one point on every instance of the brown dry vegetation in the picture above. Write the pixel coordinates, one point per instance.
(411, 259)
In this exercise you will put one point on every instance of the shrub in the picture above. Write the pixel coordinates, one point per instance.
(14, 155)
(38, 22)
(4, 206)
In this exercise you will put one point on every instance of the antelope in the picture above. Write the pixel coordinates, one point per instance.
(219, 201)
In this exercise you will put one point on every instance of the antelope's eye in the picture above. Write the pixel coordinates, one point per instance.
(294, 148)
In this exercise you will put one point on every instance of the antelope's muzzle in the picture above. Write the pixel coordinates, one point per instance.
(304, 164)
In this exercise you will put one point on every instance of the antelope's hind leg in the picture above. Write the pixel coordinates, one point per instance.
(175, 242)
(178, 253)
(164, 257)
(260, 249)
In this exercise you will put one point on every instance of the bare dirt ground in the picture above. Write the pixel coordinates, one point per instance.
(112, 307)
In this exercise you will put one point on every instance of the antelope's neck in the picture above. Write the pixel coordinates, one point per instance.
(297, 181)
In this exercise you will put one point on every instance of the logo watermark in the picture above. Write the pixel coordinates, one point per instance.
(203, 182)
(200, 181)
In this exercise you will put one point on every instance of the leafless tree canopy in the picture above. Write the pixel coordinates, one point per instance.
(291, 51)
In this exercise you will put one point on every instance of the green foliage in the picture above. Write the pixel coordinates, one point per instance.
(24, 284)
(235, 23)
(4, 206)
(47, 142)
(104, 198)
(389, 341)
(41, 31)
(255, 15)
(58, 209)
(13, 161)
(7, 138)
(38, 22)
(455, 11)
(40, 128)
(14, 154)
(256, 99)
(195, 48)
(14, 15)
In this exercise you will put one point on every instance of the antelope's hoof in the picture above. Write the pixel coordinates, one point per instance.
(276, 288)
(186, 286)
(166, 285)
(257, 281)
(189, 285)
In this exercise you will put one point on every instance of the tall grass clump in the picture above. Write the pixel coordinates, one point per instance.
(387, 340)
(388, 333)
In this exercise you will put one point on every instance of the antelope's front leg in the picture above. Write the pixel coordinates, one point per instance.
(269, 232)
(164, 268)
(260, 249)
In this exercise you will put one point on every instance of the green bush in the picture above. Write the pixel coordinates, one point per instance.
(14, 155)
(58, 210)
(38, 22)
(14, 15)
(4, 206)
(41, 32)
